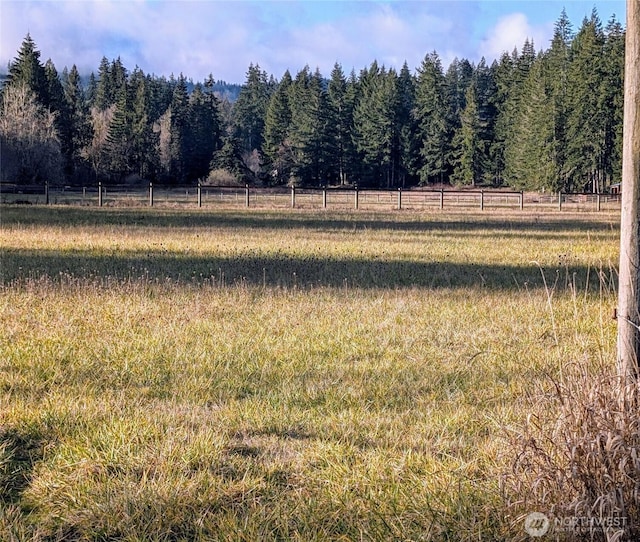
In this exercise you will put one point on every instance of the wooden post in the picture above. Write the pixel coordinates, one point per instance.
(324, 197)
(521, 200)
(99, 194)
(441, 199)
(293, 197)
(399, 199)
(629, 274)
(355, 202)
(150, 194)
(598, 202)
(46, 193)
(199, 195)
(559, 201)
(482, 200)
(246, 195)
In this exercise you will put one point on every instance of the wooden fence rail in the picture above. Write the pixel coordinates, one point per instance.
(304, 198)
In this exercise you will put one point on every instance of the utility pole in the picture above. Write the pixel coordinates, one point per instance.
(628, 311)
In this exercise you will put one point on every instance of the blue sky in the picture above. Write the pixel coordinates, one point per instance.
(198, 37)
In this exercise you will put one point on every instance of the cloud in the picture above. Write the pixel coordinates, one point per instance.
(198, 37)
(511, 31)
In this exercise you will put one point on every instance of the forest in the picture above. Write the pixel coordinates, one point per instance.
(545, 120)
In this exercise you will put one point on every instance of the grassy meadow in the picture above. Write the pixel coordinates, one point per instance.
(297, 375)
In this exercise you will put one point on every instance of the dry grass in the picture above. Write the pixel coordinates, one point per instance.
(303, 376)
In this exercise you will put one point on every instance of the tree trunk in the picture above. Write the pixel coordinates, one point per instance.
(629, 291)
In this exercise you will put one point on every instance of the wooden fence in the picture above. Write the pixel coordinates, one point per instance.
(304, 198)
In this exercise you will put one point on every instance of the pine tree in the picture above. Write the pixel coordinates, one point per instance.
(179, 133)
(376, 128)
(512, 115)
(277, 147)
(407, 142)
(468, 168)
(502, 72)
(27, 70)
(557, 61)
(119, 143)
(105, 94)
(204, 129)
(308, 128)
(58, 105)
(430, 115)
(586, 120)
(80, 126)
(612, 99)
(144, 141)
(250, 110)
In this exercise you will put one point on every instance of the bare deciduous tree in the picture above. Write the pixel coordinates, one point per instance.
(28, 138)
(94, 152)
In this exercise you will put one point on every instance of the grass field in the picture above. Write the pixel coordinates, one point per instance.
(293, 375)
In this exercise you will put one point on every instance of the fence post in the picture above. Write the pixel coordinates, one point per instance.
(324, 197)
(560, 201)
(246, 195)
(399, 199)
(482, 200)
(46, 193)
(356, 198)
(150, 194)
(100, 194)
(441, 199)
(598, 202)
(521, 200)
(199, 195)
(293, 197)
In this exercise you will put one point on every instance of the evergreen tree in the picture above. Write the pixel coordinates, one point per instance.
(58, 105)
(105, 94)
(431, 118)
(250, 110)
(502, 73)
(586, 121)
(612, 99)
(80, 134)
(512, 119)
(532, 164)
(557, 62)
(341, 99)
(407, 134)
(468, 167)
(376, 128)
(144, 141)
(308, 128)
(277, 147)
(119, 143)
(204, 129)
(26, 69)
(179, 133)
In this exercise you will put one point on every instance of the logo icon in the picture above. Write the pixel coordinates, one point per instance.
(536, 524)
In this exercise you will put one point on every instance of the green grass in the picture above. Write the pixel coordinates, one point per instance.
(186, 375)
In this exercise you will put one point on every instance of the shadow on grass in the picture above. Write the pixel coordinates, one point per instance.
(522, 224)
(290, 271)
(19, 452)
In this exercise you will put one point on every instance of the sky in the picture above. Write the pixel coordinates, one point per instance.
(223, 37)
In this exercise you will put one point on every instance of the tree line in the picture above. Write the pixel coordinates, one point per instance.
(532, 120)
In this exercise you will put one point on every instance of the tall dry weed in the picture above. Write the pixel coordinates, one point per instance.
(577, 459)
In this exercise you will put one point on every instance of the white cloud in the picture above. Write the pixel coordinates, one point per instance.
(511, 31)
